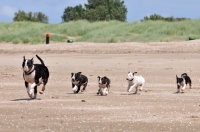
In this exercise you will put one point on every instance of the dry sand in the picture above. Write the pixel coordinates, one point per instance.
(156, 108)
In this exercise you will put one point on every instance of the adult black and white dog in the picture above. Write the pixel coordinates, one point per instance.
(182, 82)
(135, 81)
(78, 80)
(34, 74)
(104, 85)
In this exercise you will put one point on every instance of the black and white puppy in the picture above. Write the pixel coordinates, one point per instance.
(187, 79)
(78, 80)
(104, 85)
(134, 81)
(34, 74)
(182, 82)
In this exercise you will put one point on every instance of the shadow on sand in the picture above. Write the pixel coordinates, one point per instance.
(27, 99)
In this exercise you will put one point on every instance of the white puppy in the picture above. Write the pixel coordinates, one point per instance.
(134, 82)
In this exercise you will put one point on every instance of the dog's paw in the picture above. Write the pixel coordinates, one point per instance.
(82, 90)
(41, 92)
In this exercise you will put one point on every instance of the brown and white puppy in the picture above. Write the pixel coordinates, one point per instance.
(104, 85)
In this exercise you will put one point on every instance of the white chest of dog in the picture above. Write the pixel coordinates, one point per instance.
(104, 85)
(135, 81)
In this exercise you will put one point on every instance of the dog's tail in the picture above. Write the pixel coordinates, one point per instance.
(40, 60)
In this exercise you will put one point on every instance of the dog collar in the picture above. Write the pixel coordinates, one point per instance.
(29, 72)
(131, 79)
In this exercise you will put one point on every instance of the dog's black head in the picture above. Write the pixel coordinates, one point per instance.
(75, 76)
(103, 80)
(184, 75)
(27, 65)
(179, 81)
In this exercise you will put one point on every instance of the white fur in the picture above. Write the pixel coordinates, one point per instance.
(25, 68)
(104, 91)
(75, 88)
(182, 85)
(30, 79)
(135, 81)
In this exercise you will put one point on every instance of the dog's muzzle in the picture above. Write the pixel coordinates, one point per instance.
(129, 79)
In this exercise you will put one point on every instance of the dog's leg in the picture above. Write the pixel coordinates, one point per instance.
(98, 92)
(79, 86)
(84, 86)
(105, 91)
(183, 88)
(32, 90)
(136, 90)
(141, 88)
(35, 92)
(74, 88)
(43, 88)
(131, 87)
(178, 90)
(27, 89)
(128, 88)
(190, 84)
(45, 80)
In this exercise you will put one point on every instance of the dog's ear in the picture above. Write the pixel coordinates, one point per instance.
(176, 77)
(105, 77)
(79, 73)
(32, 59)
(135, 72)
(72, 74)
(98, 77)
(24, 58)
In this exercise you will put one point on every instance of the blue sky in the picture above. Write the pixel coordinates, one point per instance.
(137, 9)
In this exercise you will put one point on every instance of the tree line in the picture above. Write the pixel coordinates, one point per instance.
(30, 16)
(94, 10)
(159, 17)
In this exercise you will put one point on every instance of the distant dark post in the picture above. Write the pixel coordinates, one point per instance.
(47, 38)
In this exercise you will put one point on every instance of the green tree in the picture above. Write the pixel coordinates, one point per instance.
(20, 16)
(30, 16)
(97, 10)
(73, 13)
(105, 10)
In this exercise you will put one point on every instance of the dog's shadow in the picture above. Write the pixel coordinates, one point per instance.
(74, 93)
(178, 93)
(26, 99)
(131, 94)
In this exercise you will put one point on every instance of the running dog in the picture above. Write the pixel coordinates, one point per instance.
(104, 85)
(78, 80)
(182, 82)
(134, 82)
(34, 74)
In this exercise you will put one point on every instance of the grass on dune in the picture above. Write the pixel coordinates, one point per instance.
(103, 31)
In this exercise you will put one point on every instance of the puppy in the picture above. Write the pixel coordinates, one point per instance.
(78, 80)
(187, 79)
(182, 82)
(104, 85)
(134, 82)
(34, 74)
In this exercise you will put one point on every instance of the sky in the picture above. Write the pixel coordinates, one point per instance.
(137, 9)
